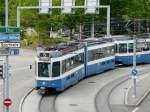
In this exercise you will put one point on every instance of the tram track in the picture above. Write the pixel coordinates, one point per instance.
(103, 96)
(23, 99)
(46, 103)
(40, 105)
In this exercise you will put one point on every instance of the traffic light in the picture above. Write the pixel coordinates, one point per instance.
(1, 71)
(2, 64)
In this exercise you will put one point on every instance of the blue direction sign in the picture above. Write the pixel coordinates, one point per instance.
(9, 37)
(134, 72)
(15, 37)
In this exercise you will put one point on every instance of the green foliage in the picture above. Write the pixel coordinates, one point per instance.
(2, 12)
(138, 9)
(126, 9)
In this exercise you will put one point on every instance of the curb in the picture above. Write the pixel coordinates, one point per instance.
(23, 99)
(140, 99)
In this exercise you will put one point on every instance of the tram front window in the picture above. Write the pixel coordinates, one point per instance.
(56, 69)
(122, 48)
(43, 69)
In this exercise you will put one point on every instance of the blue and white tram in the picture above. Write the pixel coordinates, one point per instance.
(101, 57)
(61, 71)
(124, 51)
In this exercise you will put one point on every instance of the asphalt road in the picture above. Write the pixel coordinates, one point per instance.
(22, 78)
(145, 105)
(82, 97)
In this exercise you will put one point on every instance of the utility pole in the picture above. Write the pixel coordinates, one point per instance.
(92, 28)
(6, 76)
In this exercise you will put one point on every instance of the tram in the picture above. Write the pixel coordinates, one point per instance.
(124, 50)
(63, 66)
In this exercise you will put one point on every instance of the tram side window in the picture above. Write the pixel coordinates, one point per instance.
(64, 66)
(122, 48)
(116, 48)
(130, 47)
(108, 51)
(91, 55)
(148, 45)
(103, 50)
(142, 47)
(112, 50)
(99, 53)
(67, 64)
(43, 69)
(96, 54)
(72, 62)
(56, 69)
(78, 60)
(81, 58)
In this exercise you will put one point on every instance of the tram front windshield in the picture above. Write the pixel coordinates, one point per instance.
(43, 69)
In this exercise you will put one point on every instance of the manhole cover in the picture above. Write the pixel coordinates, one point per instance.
(73, 104)
(91, 82)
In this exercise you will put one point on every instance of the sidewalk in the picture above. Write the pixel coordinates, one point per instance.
(143, 89)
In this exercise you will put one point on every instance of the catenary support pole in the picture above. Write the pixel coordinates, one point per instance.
(108, 21)
(92, 28)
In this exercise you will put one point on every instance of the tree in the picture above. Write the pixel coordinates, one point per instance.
(2, 12)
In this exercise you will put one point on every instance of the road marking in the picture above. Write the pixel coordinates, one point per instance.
(136, 109)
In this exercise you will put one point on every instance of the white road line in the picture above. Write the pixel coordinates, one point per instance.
(136, 109)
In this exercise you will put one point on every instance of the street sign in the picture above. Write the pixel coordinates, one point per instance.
(3, 30)
(14, 51)
(13, 30)
(9, 37)
(9, 30)
(10, 45)
(11, 52)
(7, 102)
(15, 37)
(134, 72)
(3, 52)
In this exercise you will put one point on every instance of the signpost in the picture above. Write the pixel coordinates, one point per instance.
(9, 37)
(134, 71)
